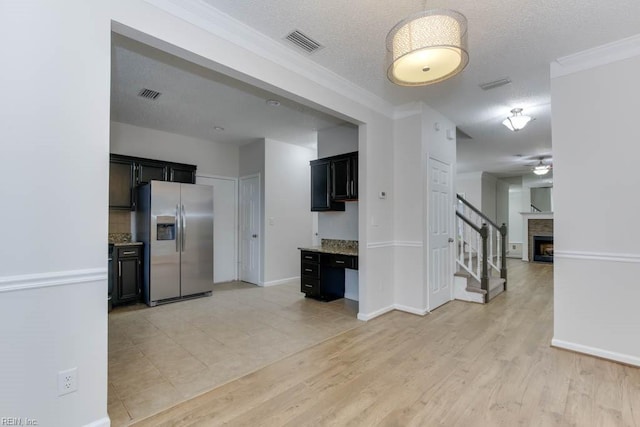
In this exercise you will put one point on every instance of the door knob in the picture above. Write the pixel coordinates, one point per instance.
(254, 235)
(450, 239)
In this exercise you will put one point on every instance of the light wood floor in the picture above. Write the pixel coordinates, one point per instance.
(464, 364)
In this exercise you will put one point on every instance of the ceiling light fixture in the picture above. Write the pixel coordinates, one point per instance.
(272, 103)
(427, 47)
(541, 168)
(517, 121)
(218, 128)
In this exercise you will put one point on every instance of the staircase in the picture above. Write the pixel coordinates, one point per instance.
(480, 255)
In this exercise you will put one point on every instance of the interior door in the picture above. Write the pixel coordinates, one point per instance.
(250, 229)
(440, 232)
(196, 258)
(225, 227)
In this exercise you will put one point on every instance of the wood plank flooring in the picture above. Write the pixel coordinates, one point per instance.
(464, 364)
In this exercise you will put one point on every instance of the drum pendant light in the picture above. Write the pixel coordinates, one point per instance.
(427, 47)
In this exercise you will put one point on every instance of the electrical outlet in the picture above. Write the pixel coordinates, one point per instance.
(513, 246)
(67, 381)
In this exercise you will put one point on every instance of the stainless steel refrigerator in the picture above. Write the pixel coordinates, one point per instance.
(175, 222)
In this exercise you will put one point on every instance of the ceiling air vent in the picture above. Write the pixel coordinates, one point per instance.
(303, 41)
(495, 84)
(149, 94)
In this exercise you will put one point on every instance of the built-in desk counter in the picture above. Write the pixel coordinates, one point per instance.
(322, 268)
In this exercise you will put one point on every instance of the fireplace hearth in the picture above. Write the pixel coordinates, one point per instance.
(543, 248)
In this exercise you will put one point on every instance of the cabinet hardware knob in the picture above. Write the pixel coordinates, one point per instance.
(308, 286)
(308, 269)
(339, 262)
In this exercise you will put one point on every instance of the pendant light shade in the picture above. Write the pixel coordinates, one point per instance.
(428, 47)
(517, 121)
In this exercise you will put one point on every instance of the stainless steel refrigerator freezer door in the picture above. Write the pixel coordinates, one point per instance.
(164, 273)
(197, 239)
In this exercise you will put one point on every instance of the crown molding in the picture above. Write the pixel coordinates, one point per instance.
(597, 56)
(214, 21)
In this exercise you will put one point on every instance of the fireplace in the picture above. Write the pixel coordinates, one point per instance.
(543, 248)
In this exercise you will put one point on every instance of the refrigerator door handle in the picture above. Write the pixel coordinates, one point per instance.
(177, 236)
(184, 226)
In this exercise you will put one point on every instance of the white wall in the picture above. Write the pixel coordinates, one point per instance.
(597, 261)
(338, 225)
(53, 283)
(489, 197)
(502, 202)
(470, 184)
(408, 193)
(337, 140)
(416, 140)
(288, 220)
(211, 158)
(516, 223)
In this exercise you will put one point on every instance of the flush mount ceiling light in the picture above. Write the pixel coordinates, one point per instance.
(517, 121)
(218, 128)
(272, 103)
(427, 47)
(541, 168)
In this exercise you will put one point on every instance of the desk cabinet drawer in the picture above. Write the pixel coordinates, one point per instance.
(311, 256)
(129, 251)
(343, 261)
(310, 270)
(310, 286)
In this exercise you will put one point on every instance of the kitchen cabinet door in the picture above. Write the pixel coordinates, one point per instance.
(321, 187)
(150, 171)
(120, 180)
(340, 178)
(128, 275)
(185, 175)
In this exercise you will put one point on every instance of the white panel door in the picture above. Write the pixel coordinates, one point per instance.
(225, 227)
(250, 229)
(439, 220)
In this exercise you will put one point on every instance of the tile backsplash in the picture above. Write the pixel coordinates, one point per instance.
(119, 221)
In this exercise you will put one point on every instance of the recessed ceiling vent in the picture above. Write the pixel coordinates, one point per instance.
(303, 41)
(149, 94)
(495, 84)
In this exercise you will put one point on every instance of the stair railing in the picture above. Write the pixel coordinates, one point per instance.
(481, 239)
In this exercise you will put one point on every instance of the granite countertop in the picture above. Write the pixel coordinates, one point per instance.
(335, 246)
(122, 239)
(128, 244)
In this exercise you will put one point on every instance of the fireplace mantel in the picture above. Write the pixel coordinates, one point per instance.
(526, 216)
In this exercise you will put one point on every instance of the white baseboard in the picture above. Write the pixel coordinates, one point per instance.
(280, 281)
(102, 422)
(380, 312)
(598, 352)
(399, 307)
(412, 310)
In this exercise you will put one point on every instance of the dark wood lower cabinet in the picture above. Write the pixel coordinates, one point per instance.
(322, 274)
(128, 274)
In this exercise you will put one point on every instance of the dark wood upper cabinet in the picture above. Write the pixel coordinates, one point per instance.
(334, 180)
(185, 175)
(147, 171)
(126, 172)
(120, 183)
(340, 181)
(321, 187)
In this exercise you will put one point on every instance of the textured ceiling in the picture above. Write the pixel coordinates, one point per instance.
(506, 39)
(195, 100)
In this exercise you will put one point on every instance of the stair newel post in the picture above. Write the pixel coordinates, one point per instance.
(503, 254)
(484, 282)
